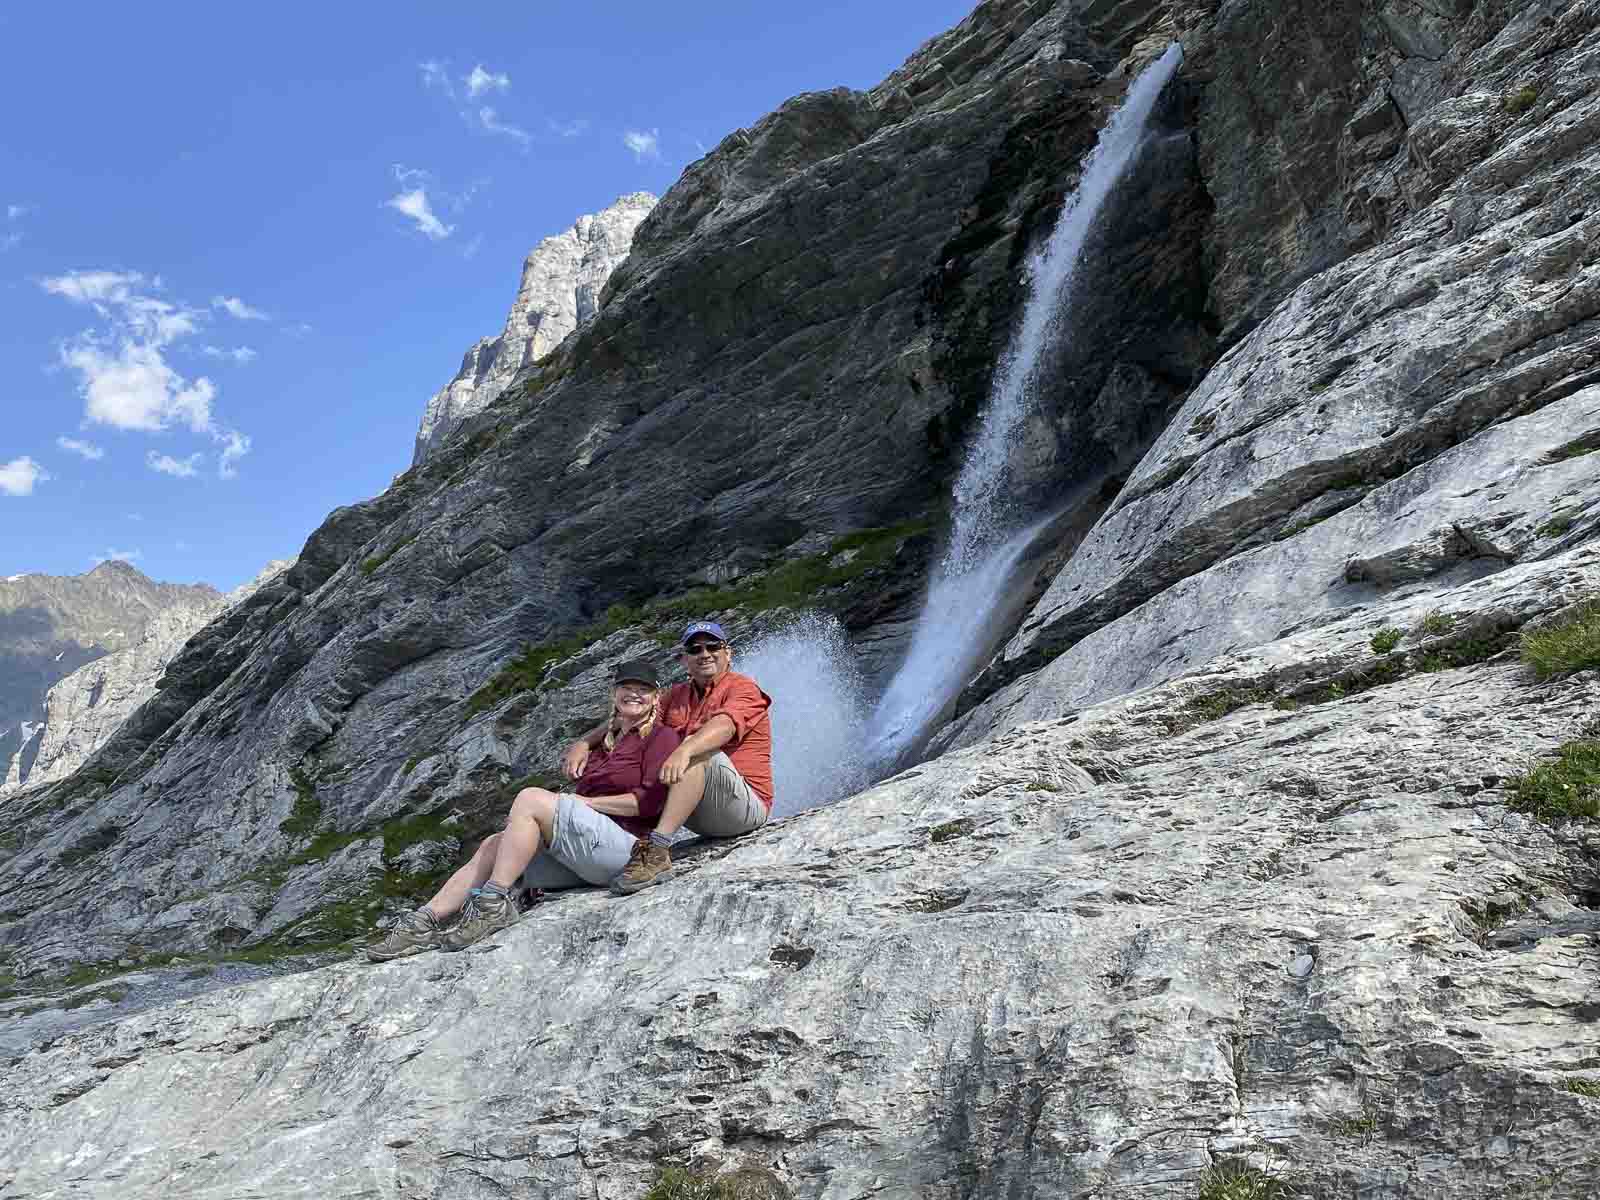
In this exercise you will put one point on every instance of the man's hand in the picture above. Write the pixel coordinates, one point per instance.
(575, 759)
(677, 765)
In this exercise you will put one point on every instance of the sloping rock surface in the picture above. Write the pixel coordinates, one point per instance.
(562, 279)
(85, 708)
(1088, 958)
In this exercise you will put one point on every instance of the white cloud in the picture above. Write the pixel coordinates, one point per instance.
(183, 468)
(132, 387)
(299, 330)
(435, 75)
(77, 446)
(239, 354)
(127, 556)
(234, 447)
(14, 211)
(236, 307)
(481, 81)
(491, 123)
(568, 129)
(644, 145)
(414, 204)
(124, 377)
(18, 476)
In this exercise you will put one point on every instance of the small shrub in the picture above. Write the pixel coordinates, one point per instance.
(1589, 1089)
(1213, 706)
(1356, 1127)
(1286, 704)
(1555, 527)
(1573, 645)
(1521, 100)
(307, 811)
(1241, 1183)
(950, 830)
(1569, 786)
(1386, 639)
(746, 1183)
(1434, 623)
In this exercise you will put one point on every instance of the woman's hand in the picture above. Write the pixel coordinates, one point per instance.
(677, 765)
(575, 759)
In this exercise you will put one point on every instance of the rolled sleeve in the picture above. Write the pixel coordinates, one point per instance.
(744, 704)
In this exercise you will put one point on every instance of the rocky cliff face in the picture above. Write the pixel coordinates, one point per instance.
(84, 709)
(52, 625)
(562, 280)
(1223, 870)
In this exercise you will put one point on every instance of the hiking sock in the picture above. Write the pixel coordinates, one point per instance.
(664, 840)
(494, 889)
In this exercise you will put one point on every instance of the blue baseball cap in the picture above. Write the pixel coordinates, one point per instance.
(707, 627)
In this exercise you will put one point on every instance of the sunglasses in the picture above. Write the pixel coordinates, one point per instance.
(703, 647)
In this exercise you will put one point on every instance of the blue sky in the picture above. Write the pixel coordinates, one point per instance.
(240, 247)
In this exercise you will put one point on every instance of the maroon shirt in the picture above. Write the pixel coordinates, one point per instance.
(634, 765)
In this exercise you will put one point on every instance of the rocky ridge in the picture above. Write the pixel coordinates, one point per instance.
(52, 625)
(1213, 880)
(562, 280)
(83, 710)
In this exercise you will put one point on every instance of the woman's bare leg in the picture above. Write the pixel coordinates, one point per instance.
(531, 824)
(447, 901)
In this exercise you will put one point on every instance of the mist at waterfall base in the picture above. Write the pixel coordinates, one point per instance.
(829, 740)
(820, 705)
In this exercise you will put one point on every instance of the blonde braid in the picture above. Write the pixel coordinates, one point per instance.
(643, 728)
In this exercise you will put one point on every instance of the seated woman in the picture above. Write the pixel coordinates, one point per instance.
(556, 841)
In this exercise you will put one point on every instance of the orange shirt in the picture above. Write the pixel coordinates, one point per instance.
(736, 697)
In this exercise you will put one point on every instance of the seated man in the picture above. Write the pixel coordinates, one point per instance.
(719, 779)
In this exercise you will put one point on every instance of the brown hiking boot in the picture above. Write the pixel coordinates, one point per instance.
(649, 863)
(413, 933)
(484, 913)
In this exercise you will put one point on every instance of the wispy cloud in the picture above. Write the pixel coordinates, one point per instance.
(11, 238)
(568, 129)
(436, 75)
(480, 81)
(17, 211)
(183, 468)
(239, 354)
(124, 377)
(414, 204)
(127, 556)
(470, 250)
(235, 446)
(299, 330)
(236, 307)
(645, 144)
(18, 477)
(77, 446)
(491, 122)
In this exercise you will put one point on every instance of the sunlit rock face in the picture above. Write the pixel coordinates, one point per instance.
(562, 281)
(83, 710)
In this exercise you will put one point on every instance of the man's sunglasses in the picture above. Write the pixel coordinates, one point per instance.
(703, 647)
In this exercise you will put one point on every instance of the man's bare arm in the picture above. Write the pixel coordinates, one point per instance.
(577, 755)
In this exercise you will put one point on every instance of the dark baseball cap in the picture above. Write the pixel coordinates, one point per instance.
(637, 670)
(710, 628)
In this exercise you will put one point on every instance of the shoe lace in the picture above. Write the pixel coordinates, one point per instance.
(641, 848)
(469, 910)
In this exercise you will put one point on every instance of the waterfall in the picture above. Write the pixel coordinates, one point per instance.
(968, 599)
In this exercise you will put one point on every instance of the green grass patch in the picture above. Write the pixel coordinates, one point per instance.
(307, 810)
(1555, 527)
(1566, 787)
(1363, 1126)
(1299, 527)
(950, 830)
(802, 582)
(1463, 653)
(1241, 1183)
(1434, 623)
(1520, 101)
(1589, 1089)
(1573, 645)
(399, 836)
(1386, 639)
(1213, 706)
(369, 565)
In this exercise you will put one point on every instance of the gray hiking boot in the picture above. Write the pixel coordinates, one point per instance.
(413, 933)
(483, 914)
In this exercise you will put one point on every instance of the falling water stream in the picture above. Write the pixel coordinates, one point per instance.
(967, 603)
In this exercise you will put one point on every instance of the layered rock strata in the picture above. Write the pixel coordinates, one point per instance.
(562, 280)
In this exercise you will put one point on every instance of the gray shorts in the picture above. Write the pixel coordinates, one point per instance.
(588, 848)
(729, 806)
